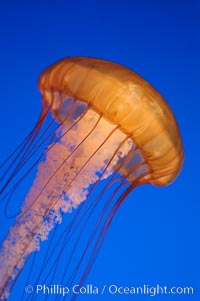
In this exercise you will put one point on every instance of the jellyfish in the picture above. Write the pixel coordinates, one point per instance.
(103, 130)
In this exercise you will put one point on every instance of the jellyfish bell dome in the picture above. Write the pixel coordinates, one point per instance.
(125, 99)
